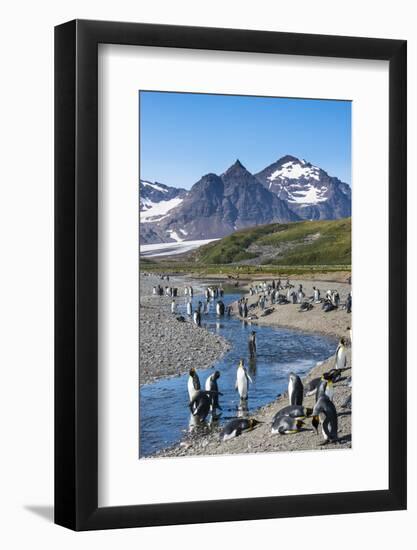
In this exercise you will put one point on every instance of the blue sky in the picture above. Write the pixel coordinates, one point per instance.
(184, 136)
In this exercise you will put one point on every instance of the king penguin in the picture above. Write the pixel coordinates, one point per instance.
(197, 317)
(242, 381)
(295, 390)
(340, 358)
(220, 308)
(211, 386)
(295, 411)
(325, 388)
(286, 425)
(235, 427)
(193, 384)
(325, 412)
(200, 405)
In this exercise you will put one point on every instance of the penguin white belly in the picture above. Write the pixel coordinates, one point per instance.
(341, 359)
(233, 434)
(191, 389)
(218, 309)
(208, 384)
(290, 390)
(242, 384)
(329, 391)
(189, 309)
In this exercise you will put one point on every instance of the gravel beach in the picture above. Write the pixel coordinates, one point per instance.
(169, 347)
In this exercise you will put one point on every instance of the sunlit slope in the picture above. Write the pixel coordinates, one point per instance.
(298, 243)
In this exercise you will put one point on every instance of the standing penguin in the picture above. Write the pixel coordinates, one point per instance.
(173, 307)
(197, 317)
(189, 308)
(220, 308)
(350, 335)
(200, 405)
(340, 357)
(325, 412)
(316, 294)
(242, 381)
(295, 390)
(349, 303)
(245, 309)
(325, 388)
(252, 344)
(193, 384)
(211, 386)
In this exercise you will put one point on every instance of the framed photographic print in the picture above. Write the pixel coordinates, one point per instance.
(230, 275)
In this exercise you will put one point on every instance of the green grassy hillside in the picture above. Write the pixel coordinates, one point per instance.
(290, 244)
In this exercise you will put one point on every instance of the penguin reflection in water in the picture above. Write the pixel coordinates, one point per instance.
(252, 344)
(324, 413)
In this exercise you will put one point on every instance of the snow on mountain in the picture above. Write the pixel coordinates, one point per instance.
(157, 211)
(290, 189)
(295, 170)
(157, 199)
(307, 189)
(307, 194)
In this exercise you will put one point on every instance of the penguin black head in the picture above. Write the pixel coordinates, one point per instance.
(308, 411)
(253, 332)
(299, 424)
(216, 375)
(315, 422)
(192, 371)
(342, 341)
(241, 363)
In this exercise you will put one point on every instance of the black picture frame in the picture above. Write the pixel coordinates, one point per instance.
(76, 272)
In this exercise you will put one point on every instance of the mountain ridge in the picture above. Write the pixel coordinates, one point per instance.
(287, 190)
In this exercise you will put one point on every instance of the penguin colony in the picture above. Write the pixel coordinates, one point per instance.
(291, 419)
(278, 293)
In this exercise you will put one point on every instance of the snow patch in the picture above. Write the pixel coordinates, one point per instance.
(156, 211)
(154, 186)
(308, 195)
(295, 170)
(174, 235)
(170, 249)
